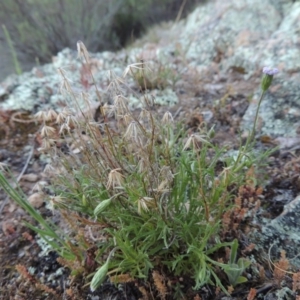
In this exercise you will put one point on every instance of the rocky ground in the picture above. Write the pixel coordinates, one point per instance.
(210, 65)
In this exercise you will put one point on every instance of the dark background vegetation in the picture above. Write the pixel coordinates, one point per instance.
(41, 28)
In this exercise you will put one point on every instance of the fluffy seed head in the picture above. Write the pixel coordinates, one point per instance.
(115, 179)
(48, 131)
(41, 116)
(82, 52)
(133, 133)
(167, 118)
(144, 203)
(51, 115)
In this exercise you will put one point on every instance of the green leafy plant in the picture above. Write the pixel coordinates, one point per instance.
(150, 76)
(152, 196)
(49, 232)
(235, 268)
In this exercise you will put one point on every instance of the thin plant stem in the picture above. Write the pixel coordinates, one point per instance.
(18, 68)
(250, 138)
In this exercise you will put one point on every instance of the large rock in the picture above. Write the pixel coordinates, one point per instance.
(232, 36)
(221, 39)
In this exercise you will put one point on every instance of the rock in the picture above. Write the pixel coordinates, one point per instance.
(30, 177)
(36, 200)
(227, 37)
(281, 233)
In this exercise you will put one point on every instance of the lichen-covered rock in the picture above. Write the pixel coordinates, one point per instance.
(281, 233)
(223, 36)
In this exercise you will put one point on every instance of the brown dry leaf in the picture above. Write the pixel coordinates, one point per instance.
(252, 294)
(121, 278)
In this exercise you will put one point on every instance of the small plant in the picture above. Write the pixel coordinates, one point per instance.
(138, 190)
(235, 268)
(153, 76)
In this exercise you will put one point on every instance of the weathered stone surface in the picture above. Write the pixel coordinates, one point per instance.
(281, 233)
(232, 36)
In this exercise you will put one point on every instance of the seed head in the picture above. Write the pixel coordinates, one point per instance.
(145, 116)
(167, 118)
(51, 115)
(133, 133)
(61, 117)
(49, 169)
(41, 116)
(64, 128)
(194, 141)
(115, 179)
(108, 110)
(128, 119)
(82, 52)
(46, 144)
(48, 131)
(65, 85)
(144, 203)
(120, 103)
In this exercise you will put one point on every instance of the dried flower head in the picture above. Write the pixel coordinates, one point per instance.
(49, 169)
(194, 141)
(51, 115)
(61, 117)
(120, 102)
(41, 116)
(144, 203)
(145, 116)
(133, 133)
(46, 144)
(39, 186)
(64, 128)
(115, 179)
(82, 52)
(108, 110)
(128, 119)
(167, 118)
(65, 85)
(55, 200)
(48, 131)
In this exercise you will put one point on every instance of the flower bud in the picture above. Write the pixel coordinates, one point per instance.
(101, 206)
(99, 276)
(267, 77)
